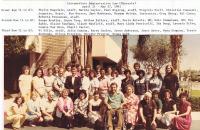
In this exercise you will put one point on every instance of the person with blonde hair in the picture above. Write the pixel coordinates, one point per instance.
(17, 113)
(25, 80)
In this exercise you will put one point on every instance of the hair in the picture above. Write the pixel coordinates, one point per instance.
(168, 91)
(113, 84)
(94, 72)
(38, 69)
(150, 66)
(34, 93)
(102, 69)
(172, 69)
(115, 72)
(88, 66)
(68, 65)
(131, 86)
(83, 70)
(65, 90)
(159, 74)
(18, 97)
(140, 71)
(136, 64)
(50, 69)
(183, 94)
(25, 67)
(127, 71)
(82, 92)
(155, 92)
(73, 67)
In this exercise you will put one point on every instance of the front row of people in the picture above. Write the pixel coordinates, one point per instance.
(127, 108)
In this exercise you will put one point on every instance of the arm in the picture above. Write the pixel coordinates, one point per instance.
(174, 110)
(154, 116)
(106, 103)
(187, 112)
(142, 115)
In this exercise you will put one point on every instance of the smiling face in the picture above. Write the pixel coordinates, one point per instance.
(26, 71)
(129, 90)
(113, 88)
(82, 96)
(39, 73)
(19, 101)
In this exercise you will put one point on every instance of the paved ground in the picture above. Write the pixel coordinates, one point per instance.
(195, 126)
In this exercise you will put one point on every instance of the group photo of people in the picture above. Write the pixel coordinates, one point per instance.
(103, 98)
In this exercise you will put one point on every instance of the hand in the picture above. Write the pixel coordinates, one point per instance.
(153, 122)
(144, 121)
(38, 114)
(51, 117)
(71, 90)
(109, 107)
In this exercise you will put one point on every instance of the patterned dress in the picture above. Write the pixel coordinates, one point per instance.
(131, 107)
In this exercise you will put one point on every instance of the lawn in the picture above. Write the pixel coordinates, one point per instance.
(195, 93)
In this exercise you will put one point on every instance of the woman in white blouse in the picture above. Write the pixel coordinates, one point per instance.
(155, 82)
(94, 83)
(49, 80)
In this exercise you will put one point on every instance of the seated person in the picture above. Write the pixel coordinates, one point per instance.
(94, 114)
(183, 120)
(81, 108)
(34, 113)
(147, 111)
(168, 109)
(155, 97)
(17, 113)
(48, 107)
(64, 110)
(114, 101)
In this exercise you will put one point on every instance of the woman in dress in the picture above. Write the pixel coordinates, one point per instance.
(131, 107)
(183, 120)
(171, 81)
(81, 109)
(155, 82)
(94, 83)
(17, 113)
(64, 111)
(49, 80)
(38, 83)
(34, 112)
(25, 80)
(94, 110)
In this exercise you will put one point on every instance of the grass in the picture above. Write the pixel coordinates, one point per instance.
(195, 93)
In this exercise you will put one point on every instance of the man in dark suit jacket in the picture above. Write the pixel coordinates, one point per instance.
(73, 83)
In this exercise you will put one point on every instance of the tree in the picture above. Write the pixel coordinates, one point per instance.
(76, 56)
(89, 50)
(124, 51)
(14, 45)
(156, 52)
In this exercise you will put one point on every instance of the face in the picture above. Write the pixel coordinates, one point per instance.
(65, 94)
(50, 95)
(147, 98)
(34, 97)
(26, 71)
(183, 98)
(114, 75)
(141, 75)
(61, 71)
(50, 72)
(155, 72)
(82, 96)
(96, 96)
(92, 74)
(79, 68)
(129, 90)
(109, 70)
(167, 95)
(74, 70)
(155, 96)
(87, 69)
(127, 74)
(149, 70)
(102, 72)
(56, 69)
(169, 69)
(83, 73)
(113, 88)
(39, 73)
(19, 101)
(136, 67)
(69, 68)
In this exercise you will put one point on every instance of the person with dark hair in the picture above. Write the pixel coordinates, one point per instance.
(148, 110)
(25, 80)
(140, 84)
(17, 113)
(155, 82)
(94, 110)
(94, 83)
(38, 83)
(116, 79)
(171, 81)
(73, 83)
(131, 107)
(98, 69)
(183, 120)
(81, 109)
(136, 67)
(109, 72)
(87, 69)
(64, 110)
(128, 80)
(68, 70)
(158, 101)
(104, 83)
(114, 102)
(79, 68)
(168, 110)
(49, 80)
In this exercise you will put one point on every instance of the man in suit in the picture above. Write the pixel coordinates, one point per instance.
(73, 83)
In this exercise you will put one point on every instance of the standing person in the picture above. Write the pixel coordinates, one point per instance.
(121, 73)
(49, 80)
(103, 84)
(149, 73)
(140, 84)
(64, 110)
(98, 69)
(114, 101)
(48, 108)
(115, 78)
(131, 107)
(171, 81)
(94, 83)
(109, 72)
(17, 113)
(73, 83)
(126, 81)
(136, 67)
(55, 70)
(59, 83)
(168, 109)
(87, 69)
(85, 82)
(94, 110)
(25, 80)
(38, 83)
(78, 70)
(81, 109)
(68, 70)
(155, 82)
(34, 113)
(158, 101)
(148, 110)
(183, 120)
